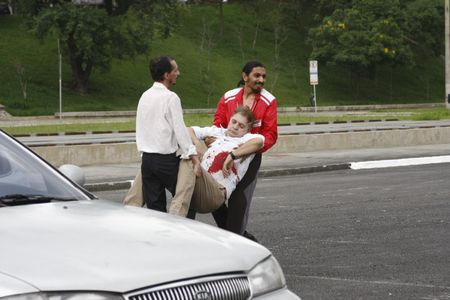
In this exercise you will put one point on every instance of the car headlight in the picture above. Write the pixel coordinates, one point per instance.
(65, 296)
(266, 276)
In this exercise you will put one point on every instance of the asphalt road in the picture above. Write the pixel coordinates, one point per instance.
(357, 234)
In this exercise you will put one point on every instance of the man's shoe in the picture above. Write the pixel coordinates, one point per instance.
(250, 236)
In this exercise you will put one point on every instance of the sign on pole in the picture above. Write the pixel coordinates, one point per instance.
(313, 72)
(314, 79)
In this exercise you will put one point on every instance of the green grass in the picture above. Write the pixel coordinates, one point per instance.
(206, 72)
(101, 125)
(49, 129)
(423, 114)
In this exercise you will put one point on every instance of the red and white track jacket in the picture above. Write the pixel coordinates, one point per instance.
(264, 108)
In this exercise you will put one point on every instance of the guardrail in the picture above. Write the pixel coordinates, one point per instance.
(280, 109)
(107, 137)
(126, 152)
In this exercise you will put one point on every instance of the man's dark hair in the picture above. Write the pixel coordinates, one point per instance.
(159, 66)
(247, 69)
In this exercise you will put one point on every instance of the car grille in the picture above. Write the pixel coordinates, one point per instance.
(229, 287)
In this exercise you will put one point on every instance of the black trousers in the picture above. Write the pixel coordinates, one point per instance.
(233, 217)
(159, 172)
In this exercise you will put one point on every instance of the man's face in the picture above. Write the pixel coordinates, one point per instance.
(172, 76)
(256, 79)
(238, 126)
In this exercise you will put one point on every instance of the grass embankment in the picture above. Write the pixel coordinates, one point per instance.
(210, 64)
(206, 120)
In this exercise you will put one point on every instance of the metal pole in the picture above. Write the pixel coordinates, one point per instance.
(315, 99)
(447, 54)
(60, 81)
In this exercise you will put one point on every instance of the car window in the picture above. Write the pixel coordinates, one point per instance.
(22, 172)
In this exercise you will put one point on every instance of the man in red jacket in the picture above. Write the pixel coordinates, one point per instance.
(251, 93)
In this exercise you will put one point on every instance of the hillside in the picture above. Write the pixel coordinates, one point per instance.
(209, 65)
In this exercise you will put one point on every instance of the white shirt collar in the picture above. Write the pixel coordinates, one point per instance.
(159, 85)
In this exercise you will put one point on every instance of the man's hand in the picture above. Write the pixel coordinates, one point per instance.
(198, 169)
(228, 164)
(209, 140)
(197, 166)
(200, 149)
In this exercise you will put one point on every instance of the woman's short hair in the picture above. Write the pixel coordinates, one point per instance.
(247, 113)
(159, 66)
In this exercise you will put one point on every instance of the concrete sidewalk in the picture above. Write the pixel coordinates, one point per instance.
(119, 176)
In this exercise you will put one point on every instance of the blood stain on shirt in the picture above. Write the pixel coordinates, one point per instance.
(217, 163)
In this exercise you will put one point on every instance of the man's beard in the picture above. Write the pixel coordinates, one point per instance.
(257, 89)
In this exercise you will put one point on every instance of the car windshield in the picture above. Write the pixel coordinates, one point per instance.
(26, 179)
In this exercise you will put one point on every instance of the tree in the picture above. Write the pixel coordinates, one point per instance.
(362, 36)
(327, 7)
(426, 24)
(92, 36)
(31, 7)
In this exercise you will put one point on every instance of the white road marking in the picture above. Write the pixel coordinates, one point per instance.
(395, 283)
(399, 162)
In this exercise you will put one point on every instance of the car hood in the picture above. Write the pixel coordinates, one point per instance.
(12, 286)
(99, 245)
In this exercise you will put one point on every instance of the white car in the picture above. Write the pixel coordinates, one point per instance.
(57, 241)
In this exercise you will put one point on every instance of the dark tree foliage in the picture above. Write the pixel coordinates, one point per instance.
(92, 35)
(425, 24)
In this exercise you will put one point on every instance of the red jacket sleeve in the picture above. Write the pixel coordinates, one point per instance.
(269, 128)
(220, 116)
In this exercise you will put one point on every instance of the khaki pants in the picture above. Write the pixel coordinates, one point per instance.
(135, 196)
(203, 194)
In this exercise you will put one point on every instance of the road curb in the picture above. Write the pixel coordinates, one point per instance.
(302, 170)
(108, 186)
(126, 184)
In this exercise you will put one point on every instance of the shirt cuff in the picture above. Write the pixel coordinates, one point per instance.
(191, 151)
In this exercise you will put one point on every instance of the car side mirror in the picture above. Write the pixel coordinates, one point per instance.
(75, 173)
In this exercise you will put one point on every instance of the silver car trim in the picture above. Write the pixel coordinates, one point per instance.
(217, 287)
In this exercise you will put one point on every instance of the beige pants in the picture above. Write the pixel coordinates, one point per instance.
(203, 194)
(134, 196)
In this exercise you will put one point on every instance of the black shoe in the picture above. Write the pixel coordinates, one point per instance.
(250, 236)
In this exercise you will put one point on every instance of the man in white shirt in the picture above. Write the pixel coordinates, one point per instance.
(160, 132)
(222, 165)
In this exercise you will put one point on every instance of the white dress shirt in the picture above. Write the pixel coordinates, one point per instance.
(214, 157)
(160, 126)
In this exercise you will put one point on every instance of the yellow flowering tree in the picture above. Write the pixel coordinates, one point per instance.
(362, 36)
